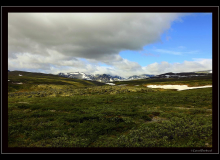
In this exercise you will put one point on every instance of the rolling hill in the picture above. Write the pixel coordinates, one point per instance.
(23, 81)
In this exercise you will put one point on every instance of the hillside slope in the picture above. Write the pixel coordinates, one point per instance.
(29, 81)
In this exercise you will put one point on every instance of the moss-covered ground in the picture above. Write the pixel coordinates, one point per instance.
(52, 111)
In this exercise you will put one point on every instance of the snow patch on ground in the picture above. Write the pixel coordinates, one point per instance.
(112, 84)
(17, 83)
(178, 87)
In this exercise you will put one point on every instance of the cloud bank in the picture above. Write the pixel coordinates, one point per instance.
(56, 42)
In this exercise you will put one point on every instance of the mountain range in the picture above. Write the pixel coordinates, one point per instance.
(106, 78)
(102, 77)
(94, 77)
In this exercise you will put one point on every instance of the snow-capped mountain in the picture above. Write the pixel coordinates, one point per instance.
(97, 77)
(105, 78)
(77, 75)
(184, 74)
(142, 76)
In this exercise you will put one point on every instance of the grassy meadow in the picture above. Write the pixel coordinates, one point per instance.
(52, 111)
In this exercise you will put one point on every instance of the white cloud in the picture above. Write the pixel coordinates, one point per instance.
(167, 51)
(178, 52)
(25, 61)
(123, 67)
(186, 66)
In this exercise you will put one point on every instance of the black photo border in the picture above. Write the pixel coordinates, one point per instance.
(185, 9)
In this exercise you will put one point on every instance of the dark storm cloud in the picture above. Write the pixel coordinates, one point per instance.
(86, 35)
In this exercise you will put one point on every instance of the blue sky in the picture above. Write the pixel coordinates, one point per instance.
(123, 44)
(186, 40)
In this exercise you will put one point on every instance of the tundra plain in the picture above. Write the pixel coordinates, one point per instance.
(51, 111)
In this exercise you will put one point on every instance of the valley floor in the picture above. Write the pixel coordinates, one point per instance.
(111, 116)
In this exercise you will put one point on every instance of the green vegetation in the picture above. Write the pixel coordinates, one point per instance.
(38, 81)
(52, 111)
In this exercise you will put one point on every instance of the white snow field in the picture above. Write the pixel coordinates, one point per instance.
(112, 84)
(178, 87)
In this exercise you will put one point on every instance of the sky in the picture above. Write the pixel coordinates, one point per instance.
(123, 44)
